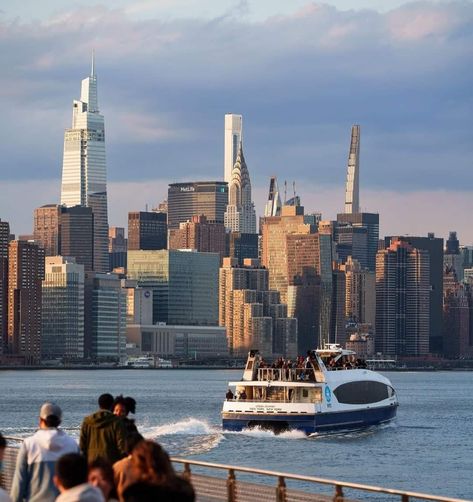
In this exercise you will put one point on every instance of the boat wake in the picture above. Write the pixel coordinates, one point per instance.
(260, 432)
(185, 437)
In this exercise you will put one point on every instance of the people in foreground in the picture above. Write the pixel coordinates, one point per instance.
(122, 470)
(101, 476)
(71, 480)
(122, 407)
(4, 497)
(103, 434)
(36, 460)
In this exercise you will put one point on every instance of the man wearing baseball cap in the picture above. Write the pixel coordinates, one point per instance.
(36, 461)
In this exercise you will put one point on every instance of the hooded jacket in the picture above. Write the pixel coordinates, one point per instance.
(103, 435)
(33, 479)
(81, 493)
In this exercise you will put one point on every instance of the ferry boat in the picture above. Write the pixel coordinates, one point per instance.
(332, 390)
(148, 362)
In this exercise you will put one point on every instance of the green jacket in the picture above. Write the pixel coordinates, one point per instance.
(102, 434)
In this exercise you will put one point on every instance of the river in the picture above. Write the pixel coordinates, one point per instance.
(428, 448)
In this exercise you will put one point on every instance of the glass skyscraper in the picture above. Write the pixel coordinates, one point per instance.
(84, 176)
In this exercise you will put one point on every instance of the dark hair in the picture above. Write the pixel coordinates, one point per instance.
(130, 404)
(152, 463)
(3, 441)
(119, 400)
(106, 402)
(71, 470)
(177, 490)
(132, 440)
(107, 472)
(52, 421)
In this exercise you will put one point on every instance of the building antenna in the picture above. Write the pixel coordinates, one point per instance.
(285, 192)
(294, 189)
(146, 207)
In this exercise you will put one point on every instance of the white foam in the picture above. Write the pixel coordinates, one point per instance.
(190, 426)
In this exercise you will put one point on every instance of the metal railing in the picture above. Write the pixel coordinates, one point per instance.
(222, 482)
(286, 374)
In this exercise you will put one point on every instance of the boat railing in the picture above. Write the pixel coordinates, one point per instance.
(231, 483)
(286, 374)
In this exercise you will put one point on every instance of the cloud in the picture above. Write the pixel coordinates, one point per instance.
(300, 80)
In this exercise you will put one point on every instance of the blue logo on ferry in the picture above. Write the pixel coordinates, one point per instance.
(328, 394)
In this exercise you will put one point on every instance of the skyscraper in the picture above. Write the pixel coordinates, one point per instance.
(62, 335)
(233, 136)
(4, 240)
(147, 230)
(352, 192)
(273, 205)
(46, 230)
(185, 200)
(25, 273)
(77, 235)
(84, 176)
(402, 300)
(240, 215)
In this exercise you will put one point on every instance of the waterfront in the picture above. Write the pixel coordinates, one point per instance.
(428, 447)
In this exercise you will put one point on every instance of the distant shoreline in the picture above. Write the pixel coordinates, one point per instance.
(204, 367)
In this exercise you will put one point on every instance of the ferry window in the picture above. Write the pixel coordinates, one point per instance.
(305, 392)
(362, 392)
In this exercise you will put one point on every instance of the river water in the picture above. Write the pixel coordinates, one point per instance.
(428, 448)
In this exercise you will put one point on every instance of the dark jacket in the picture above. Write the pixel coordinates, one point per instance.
(103, 435)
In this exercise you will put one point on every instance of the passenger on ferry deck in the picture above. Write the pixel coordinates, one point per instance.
(122, 469)
(122, 407)
(229, 395)
(243, 394)
(101, 476)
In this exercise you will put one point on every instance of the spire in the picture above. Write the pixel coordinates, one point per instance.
(352, 190)
(92, 70)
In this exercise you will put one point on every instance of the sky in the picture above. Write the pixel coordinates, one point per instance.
(301, 73)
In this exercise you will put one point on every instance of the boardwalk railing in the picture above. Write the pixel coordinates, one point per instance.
(222, 482)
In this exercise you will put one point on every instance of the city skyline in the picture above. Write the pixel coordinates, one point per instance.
(420, 134)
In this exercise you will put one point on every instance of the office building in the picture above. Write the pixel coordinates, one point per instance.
(254, 316)
(195, 343)
(402, 300)
(360, 293)
(25, 273)
(4, 240)
(200, 235)
(62, 333)
(77, 235)
(452, 257)
(434, 246)
(147, 230)
(208, 198)
(240, 215)
(457, 316)
(232, 140)
(184, 284)
(117, 247)
(273, 204)
(84, 176)
(352, 242)
(47, 228)
(370, 221)
(352, 190)
(139, 303)
(105, 318)
(241, 246)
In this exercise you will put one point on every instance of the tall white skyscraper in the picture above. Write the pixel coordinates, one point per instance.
(352, 192)
(233, 137)
(240, 215)
(84, 173)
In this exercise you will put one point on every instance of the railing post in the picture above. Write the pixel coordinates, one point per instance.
(231, 486)
(281, 490)
(186, 474)
(338, 497)
(404, 498)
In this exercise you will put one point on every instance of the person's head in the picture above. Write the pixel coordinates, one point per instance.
(119, 407)
(130, 404)
(49, 416)
(106, 402)
(177, 490)
(3, 445)
(151, 463)
(132, 440)
(71, 470)
(101, 476)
